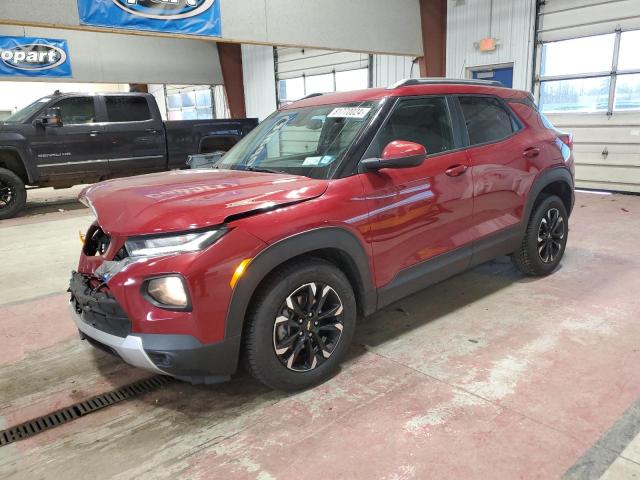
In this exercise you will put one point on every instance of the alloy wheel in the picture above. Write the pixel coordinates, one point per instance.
(308, 327)
(7, 194)
(550, 235)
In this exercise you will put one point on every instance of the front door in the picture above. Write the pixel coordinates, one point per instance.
(421, 217)
(74, 151)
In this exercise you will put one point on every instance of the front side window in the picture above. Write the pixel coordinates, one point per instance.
(127, 109)
(487, 119)
(425, 121)
(307, 141)
(76, 111)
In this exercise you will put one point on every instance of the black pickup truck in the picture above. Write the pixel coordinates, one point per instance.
(68, 139)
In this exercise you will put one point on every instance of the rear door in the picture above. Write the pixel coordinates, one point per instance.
(135, 135)
(421, 213)
(74, 150)
(498, 150)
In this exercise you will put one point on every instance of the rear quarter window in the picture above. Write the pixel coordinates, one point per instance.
(487, 119)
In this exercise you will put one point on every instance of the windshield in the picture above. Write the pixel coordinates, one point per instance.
(307, 141)
(22, 115)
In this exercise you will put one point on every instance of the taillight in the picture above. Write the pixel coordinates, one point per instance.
(567, 139)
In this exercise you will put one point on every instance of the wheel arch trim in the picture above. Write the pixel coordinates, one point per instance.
(544, 179)
(291, 247)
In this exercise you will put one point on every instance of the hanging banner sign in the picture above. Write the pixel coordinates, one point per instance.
(34, 57)
(191, 17)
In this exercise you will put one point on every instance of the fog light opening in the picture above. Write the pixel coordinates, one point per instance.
(168, 292)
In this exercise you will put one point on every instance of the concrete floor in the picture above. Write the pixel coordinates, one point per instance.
(487, 375)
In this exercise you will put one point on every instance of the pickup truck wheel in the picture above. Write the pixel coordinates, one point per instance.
(545, 240)
(13, 194)
(300, 325)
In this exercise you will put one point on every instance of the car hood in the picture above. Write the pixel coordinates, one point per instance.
(190, 199)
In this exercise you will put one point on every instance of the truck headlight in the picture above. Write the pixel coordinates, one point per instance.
(168, 292)
(155, 245)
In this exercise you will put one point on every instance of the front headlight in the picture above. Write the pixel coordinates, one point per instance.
(156, 245)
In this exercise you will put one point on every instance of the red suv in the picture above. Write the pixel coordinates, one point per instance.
(334, 207)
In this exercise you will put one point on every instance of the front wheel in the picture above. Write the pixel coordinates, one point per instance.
(300, 325)
(13, 194)
(545, 240)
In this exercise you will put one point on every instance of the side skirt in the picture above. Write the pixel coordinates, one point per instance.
(418, 277)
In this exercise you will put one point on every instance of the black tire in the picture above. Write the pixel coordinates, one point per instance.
(545, 240)
(271, 323)
(13, 194)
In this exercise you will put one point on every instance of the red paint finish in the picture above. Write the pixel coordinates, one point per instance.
(400, 217)
(417, 213)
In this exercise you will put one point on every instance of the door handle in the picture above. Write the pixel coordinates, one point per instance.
(456, 170)
(531, 152)
(152, 130)
(94, 133)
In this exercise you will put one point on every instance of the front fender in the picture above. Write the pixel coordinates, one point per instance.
(18, 145)
(291, 247)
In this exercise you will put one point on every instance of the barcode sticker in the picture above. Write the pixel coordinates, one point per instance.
(349, 112)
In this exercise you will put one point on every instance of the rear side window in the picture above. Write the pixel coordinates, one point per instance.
(487, 119)
(127, 109)
(423, 120)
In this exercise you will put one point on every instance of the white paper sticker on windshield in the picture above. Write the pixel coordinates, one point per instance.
(349, 112)
(311, 161)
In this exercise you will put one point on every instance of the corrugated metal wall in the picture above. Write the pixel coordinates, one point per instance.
(389, 69)
(510, 21)
(607, 146)
(259, 80)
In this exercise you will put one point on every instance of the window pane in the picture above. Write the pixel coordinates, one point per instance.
(127, 109)
(76, 111)
(628, 92)
(486, 119)
(291, 89)
(319, 84)
(581, 95)
(629, 52)
(579, 55)
(203, 98)
(352, 80)
(425, 121)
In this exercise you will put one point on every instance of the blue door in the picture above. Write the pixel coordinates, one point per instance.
(502, 75)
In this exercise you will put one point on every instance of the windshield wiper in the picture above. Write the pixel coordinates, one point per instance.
(260, 170)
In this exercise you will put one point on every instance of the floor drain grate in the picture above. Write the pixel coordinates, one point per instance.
(67, 414)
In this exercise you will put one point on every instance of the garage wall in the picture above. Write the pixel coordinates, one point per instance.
(512, 22)
(259, 80)
(116, 58)
(606, 134)
(390, 69)
(380, 26)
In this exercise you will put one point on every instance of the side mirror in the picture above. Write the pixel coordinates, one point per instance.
(398, 154)
(52, 117)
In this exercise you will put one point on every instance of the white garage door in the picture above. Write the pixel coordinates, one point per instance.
(588, 82)
(301, 72)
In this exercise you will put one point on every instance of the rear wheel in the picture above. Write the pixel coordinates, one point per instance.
(545, 240)
(300, 325)
(13, 194)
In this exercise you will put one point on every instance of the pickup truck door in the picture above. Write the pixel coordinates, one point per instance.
(134, 133)
(75, 150)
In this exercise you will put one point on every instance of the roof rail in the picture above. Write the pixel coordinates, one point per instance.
(443, 81)
(312, 95)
